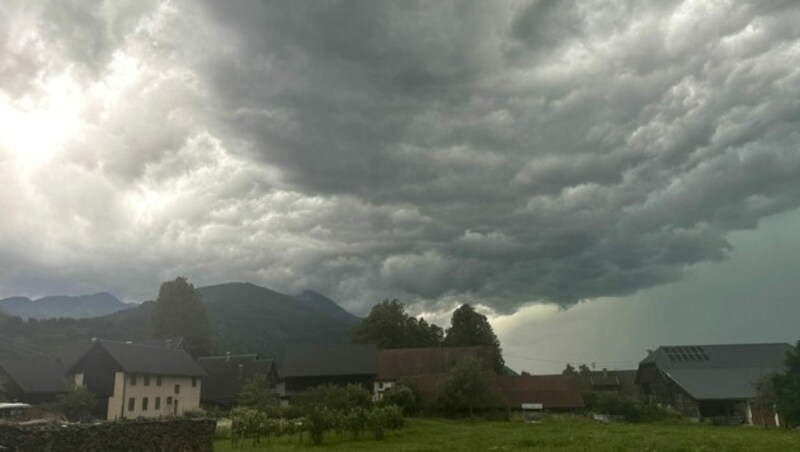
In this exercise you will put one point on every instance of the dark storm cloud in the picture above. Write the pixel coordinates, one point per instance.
(494, 152)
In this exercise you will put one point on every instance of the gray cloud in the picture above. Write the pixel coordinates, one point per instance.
(500, 153)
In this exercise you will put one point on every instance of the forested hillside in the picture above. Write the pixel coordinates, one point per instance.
(246, 319)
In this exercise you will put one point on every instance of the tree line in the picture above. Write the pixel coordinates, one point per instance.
(389, 326)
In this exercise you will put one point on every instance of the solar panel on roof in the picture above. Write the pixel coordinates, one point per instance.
(687, 354)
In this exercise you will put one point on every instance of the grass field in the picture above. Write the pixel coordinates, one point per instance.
(551, 435)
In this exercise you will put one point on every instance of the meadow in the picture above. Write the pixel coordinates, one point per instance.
(551, 435)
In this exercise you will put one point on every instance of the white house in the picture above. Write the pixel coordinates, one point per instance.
(134, 380)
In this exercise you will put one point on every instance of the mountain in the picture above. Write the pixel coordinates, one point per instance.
(78, 307)
(246, 319)
(251, 319)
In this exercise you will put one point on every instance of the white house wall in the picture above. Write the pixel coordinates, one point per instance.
(188, 398)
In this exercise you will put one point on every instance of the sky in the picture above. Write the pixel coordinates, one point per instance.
(606, 171)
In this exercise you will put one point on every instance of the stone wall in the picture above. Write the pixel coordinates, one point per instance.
(170, 435)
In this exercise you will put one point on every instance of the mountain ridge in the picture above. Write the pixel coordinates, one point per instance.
(69, 306)
(246, 318)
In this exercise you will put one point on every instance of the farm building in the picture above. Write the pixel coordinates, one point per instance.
(33, 380)
(711, 381)
(227, 374)
(424, 367)
(552, 392)
(307, 366)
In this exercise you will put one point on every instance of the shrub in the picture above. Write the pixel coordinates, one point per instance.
(401, 396)
(316, 418)
(77, 404)
(343, 398)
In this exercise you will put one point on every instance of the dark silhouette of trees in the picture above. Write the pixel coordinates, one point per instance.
(388, 326)
(787, 388)
(470, 328)
(179, 312)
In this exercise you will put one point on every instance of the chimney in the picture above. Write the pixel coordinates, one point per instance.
(227, 357)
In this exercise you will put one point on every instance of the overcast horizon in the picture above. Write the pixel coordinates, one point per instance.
(595, 176)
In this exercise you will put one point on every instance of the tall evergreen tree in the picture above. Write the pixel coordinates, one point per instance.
(180, 313)
(470, 328)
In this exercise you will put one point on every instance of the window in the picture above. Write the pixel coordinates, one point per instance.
(169, 400)
(177, 389)
(131, 404)
(147, 380)
(158, 403)
(145, 403)
(194, 382)
(158, 380)
(133, 379)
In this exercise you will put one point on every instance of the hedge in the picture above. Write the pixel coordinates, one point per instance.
(169, 435)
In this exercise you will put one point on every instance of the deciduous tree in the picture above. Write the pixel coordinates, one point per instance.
(787, 388)
(388, 326)
(470, 328)
(467, 387)
(257, 393)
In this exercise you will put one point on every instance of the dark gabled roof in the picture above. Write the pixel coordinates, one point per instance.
(328, 360)
(37, 375)
(408, 362)
(552, 391)
(716, 372)
(719, 356)
(227, 374)
(145, 359)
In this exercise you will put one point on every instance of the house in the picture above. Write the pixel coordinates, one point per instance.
(227, 374)
(711, 381)
(424, 367)
(307, 366)
(550, 392)
(33, 380)
(134, 380)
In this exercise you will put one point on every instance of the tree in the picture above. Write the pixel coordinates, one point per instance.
(77, 404)
(257, 393)
(569, 370)
(180, 313)
(466, 387)
(388, 326)
(765, 400)
(584, 370)
(787, 388)
(470, 328)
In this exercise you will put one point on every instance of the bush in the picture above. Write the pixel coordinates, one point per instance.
(316, 418)
(341, 398)
(634, 410)
(402, 396)
(77, 404)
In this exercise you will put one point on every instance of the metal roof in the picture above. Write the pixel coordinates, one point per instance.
(328, 360)
(715, 372)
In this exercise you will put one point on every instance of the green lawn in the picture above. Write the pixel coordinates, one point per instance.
(552, 435)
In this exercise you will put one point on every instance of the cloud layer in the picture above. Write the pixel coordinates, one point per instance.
(500, 153)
